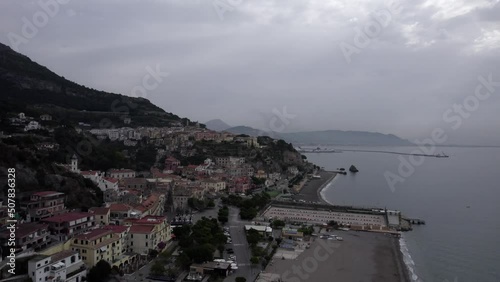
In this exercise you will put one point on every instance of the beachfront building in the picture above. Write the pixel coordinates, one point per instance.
(64, 266)
(324, 214)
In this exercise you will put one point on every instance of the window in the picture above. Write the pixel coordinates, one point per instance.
(73, 259)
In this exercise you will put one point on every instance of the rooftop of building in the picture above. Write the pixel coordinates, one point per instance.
(94, 234)
(67, 217)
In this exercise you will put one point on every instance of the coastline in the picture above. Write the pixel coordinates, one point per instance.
(310, 191)
(313, 192)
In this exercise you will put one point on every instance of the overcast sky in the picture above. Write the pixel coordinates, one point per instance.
(244, 60)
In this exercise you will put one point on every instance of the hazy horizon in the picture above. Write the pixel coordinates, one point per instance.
(397, 68)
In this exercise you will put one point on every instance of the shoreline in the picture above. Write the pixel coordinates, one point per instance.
(310, 191)
(306, 194)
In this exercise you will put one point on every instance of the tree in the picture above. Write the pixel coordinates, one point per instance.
(211, 203)
(153, 253)
(157, 268)
(253, 236)
(183, 261)
(100, 272)
(254, 260)
(277, 223)
(333, 223)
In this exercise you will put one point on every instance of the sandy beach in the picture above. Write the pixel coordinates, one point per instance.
(361, 256)
(310, 192)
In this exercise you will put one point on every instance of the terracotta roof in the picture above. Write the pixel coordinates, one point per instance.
(132, 181)
(99, 211)
(118, 207)
(68, 217)
(141, 229)
(132, 191)
(96, 233)
(47, 193)
(140, 208)
(111, 179)
(25, 229)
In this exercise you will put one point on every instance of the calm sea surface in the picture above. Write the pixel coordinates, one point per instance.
(458, 197)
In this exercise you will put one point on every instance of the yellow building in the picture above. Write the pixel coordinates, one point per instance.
(213, 185)
(102, 215)
(98, 244)
(148, 233)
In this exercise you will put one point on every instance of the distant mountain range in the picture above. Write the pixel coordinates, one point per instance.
(325, 137)
(217, 125)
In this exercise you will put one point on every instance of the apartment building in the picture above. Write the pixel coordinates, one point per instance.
(98, 244)
(102, 215)
(121, 173)
(213, 185)
(64, 266)
(67, 225)
(147, 233)
(31, 235)
(43, 205)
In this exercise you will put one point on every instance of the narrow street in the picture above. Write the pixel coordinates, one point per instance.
(240, 247)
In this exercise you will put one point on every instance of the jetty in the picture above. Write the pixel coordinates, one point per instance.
(442, 155)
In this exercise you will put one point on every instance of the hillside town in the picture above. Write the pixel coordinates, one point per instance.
(140, 209)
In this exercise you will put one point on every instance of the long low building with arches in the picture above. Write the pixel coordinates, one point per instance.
(323, 214)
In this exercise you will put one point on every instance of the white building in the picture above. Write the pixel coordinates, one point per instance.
(74, 164)
(108, 183)
(121, 173)
(65, 266)
(32, 125)
(320, 216)
(46, 117)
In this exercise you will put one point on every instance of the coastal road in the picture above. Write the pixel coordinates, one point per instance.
(240, 247)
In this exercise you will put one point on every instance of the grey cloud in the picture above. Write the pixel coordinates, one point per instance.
(271, 54)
